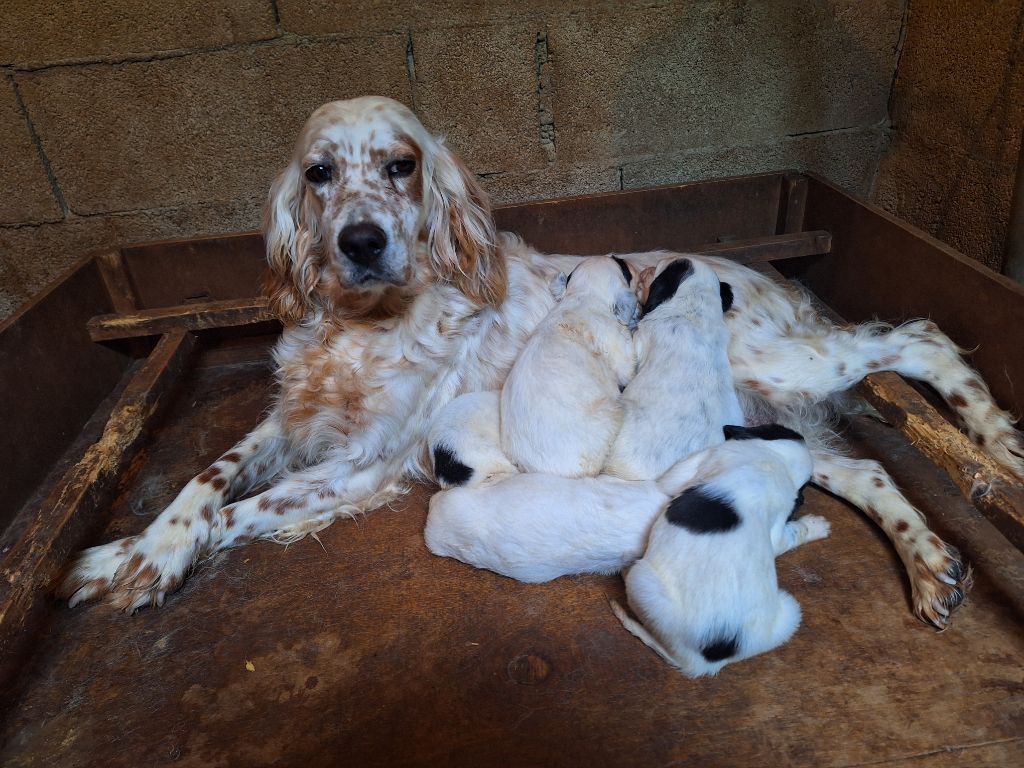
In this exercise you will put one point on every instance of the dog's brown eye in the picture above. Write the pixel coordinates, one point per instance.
(318, 174)
(399, 168)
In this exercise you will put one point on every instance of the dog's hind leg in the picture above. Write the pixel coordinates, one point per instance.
(938, 577)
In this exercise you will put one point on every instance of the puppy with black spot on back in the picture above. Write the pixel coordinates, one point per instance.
(705, 590)
(560, 408)
(464, 442)
(683, 391)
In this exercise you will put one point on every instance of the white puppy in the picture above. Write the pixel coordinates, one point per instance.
(683, 393)
(560, 405)
(536, 527)
(706, 589)
(464, 442)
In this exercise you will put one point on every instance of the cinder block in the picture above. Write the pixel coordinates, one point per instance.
(36, 255)
(317, 17)
(550, 182)
(958, 109)
(27, 195)
(478, 86)
(648, 81)
(963, 201)
(36, 33)
(849, 158)
(211, 126)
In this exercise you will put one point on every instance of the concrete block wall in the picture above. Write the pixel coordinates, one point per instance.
(137, 120)
(958, 116)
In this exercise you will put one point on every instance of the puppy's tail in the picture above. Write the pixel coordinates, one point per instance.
(638, 629)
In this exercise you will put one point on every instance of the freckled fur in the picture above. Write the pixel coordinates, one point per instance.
(362, 372)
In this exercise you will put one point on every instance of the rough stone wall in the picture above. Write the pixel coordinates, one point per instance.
(136, 120)
(958, 114)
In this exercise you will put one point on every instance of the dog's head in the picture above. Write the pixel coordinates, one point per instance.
(372, 209)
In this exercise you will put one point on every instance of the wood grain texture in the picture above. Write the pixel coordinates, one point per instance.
(229, 313)
(57, 526)
(369, 651)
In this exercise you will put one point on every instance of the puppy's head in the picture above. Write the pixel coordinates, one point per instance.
(786, 443)
(608, 280)
(687, 279)
(369, 211)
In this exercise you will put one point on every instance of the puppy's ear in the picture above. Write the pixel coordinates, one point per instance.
(558, 285)
(291, 233)
(627, 275)
(667, 283)
(626, 309)
(726, 292)
(460, 228)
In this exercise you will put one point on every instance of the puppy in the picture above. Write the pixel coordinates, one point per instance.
(536, 527)
(683, 393)
(705, 590)
(464, 442)
(560, 406)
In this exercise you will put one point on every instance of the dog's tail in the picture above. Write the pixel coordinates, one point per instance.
(638, 629)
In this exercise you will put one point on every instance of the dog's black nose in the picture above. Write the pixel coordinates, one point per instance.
(363, 243)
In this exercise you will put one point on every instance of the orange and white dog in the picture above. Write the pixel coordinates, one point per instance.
(397, 295)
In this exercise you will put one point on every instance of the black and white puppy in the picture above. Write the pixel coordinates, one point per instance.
(560, 408)
(464, 442)
(705, 590)
(683, 392)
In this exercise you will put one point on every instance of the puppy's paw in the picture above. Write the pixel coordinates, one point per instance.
(816, 527)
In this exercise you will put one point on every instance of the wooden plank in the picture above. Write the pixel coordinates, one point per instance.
(236, 313)
(71, 508)
(881, 267)
(117, 281)
(772, 248)
(995, 492)
(183, 317)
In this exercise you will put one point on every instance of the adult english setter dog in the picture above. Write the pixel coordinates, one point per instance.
(397, 295)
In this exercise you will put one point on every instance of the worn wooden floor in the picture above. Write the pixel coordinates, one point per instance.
(368, 651)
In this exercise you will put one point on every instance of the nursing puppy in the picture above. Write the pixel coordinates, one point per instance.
(705, 590)
(560, 406)
(683, 392)
(464, 442)
(536, 527)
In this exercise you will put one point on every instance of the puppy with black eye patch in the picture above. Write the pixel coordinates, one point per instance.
(560, 406)
(683, 391)
(464, 442)
(705, 590)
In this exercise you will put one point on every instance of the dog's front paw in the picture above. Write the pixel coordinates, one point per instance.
(940, 581)
(91, 573)
(132, 573)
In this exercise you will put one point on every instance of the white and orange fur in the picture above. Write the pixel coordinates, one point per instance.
(369, 355)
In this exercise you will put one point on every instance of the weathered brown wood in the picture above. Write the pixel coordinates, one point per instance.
(881, 267)
(185, 317)
(996, 493)
(117, 281)
(52, 378)
(71, 507)
(793, 203)
(771, 248)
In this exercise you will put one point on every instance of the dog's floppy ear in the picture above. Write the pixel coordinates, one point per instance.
(291, 233)
(460, 228)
